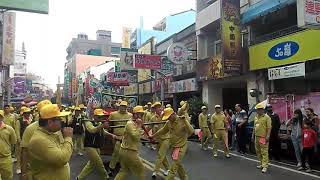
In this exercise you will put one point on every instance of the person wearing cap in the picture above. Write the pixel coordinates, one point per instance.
(121, 115)
(26, 137)
(48, 154)
(275, 144)
(179, 129)
(219, 131)
(261, 136)
(7, 140)
(78, 131)
(183, 111)
(23, 122)
(164, 142)
(83, 111)
(203, 124)
(146, 119)
(130, 161)
(9, 118)
(94, 140)
(168, 106)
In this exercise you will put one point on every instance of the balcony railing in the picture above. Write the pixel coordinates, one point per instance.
(274, 35)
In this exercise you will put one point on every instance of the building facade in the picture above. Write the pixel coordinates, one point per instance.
(163, 29)
(101, 46)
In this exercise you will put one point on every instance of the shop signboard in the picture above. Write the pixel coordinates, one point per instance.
(231, 38)
(37, 6)
(145, 61)
(308, 13)
(126, 37)
(131, 89)
(8, 40)
(145, 88)
(210, 68)
(19, 85)
(127, 58)
(157, 83)
(290, 71)
(187, 85)
(298, 47)
(177, 53)
(118, 78)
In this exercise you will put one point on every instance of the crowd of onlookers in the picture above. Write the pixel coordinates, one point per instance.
(303, 130)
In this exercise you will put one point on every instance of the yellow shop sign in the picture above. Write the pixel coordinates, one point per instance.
(298, 47)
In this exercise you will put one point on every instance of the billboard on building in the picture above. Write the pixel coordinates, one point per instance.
(127, 58)
(210, 68)
(8, 45)
(118, 78)
(145, 88)
(131, 89)
(37, 6)
(298, 47)
(231, 37)
(187, 85)
(19, 84)
(308, 13)
(145, 61)
(126, 32)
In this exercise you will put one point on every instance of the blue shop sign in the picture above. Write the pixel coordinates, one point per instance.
(283, 50)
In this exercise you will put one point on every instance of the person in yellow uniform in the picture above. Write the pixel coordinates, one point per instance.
(183, 111)
(26, 136)
(93, 141)
(130, 161)
(48, 154)
(164, 142)
(261, 136)
(7, 140)
(9, 118)
(219, 131)
(203, 124)
(22, 123)
(121, 115)
(179, 129)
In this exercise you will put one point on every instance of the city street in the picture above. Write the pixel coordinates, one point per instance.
(200, 165)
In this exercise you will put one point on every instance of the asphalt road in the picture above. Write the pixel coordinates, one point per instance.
(200, 165)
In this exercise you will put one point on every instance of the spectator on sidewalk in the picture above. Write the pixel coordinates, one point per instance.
(229, 114)
(309, 139)
(296, 131)
(241, 118)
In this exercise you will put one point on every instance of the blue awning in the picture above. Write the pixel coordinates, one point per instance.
(262, 8)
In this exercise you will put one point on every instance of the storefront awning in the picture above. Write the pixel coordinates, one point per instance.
(263, 8)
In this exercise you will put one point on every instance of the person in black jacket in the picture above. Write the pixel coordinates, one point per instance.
(78, 131)
(274, 144)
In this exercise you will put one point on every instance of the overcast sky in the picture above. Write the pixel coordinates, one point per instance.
(47, 36)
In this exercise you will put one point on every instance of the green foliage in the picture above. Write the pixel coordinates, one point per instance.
(195, 104)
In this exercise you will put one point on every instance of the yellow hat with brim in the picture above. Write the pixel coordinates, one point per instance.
(203, 107)
(217, 106)
(156, 104)
(99, 112)
(167, 113)
(149, 103)
(81, 106)
(51, 111)
(77, 109)
(11, 108)
(168, 106)
(138, 109)
(41, 104)
(25, 110)
(124, 103)
(2, 113)
(259, 106)
(182, 103)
